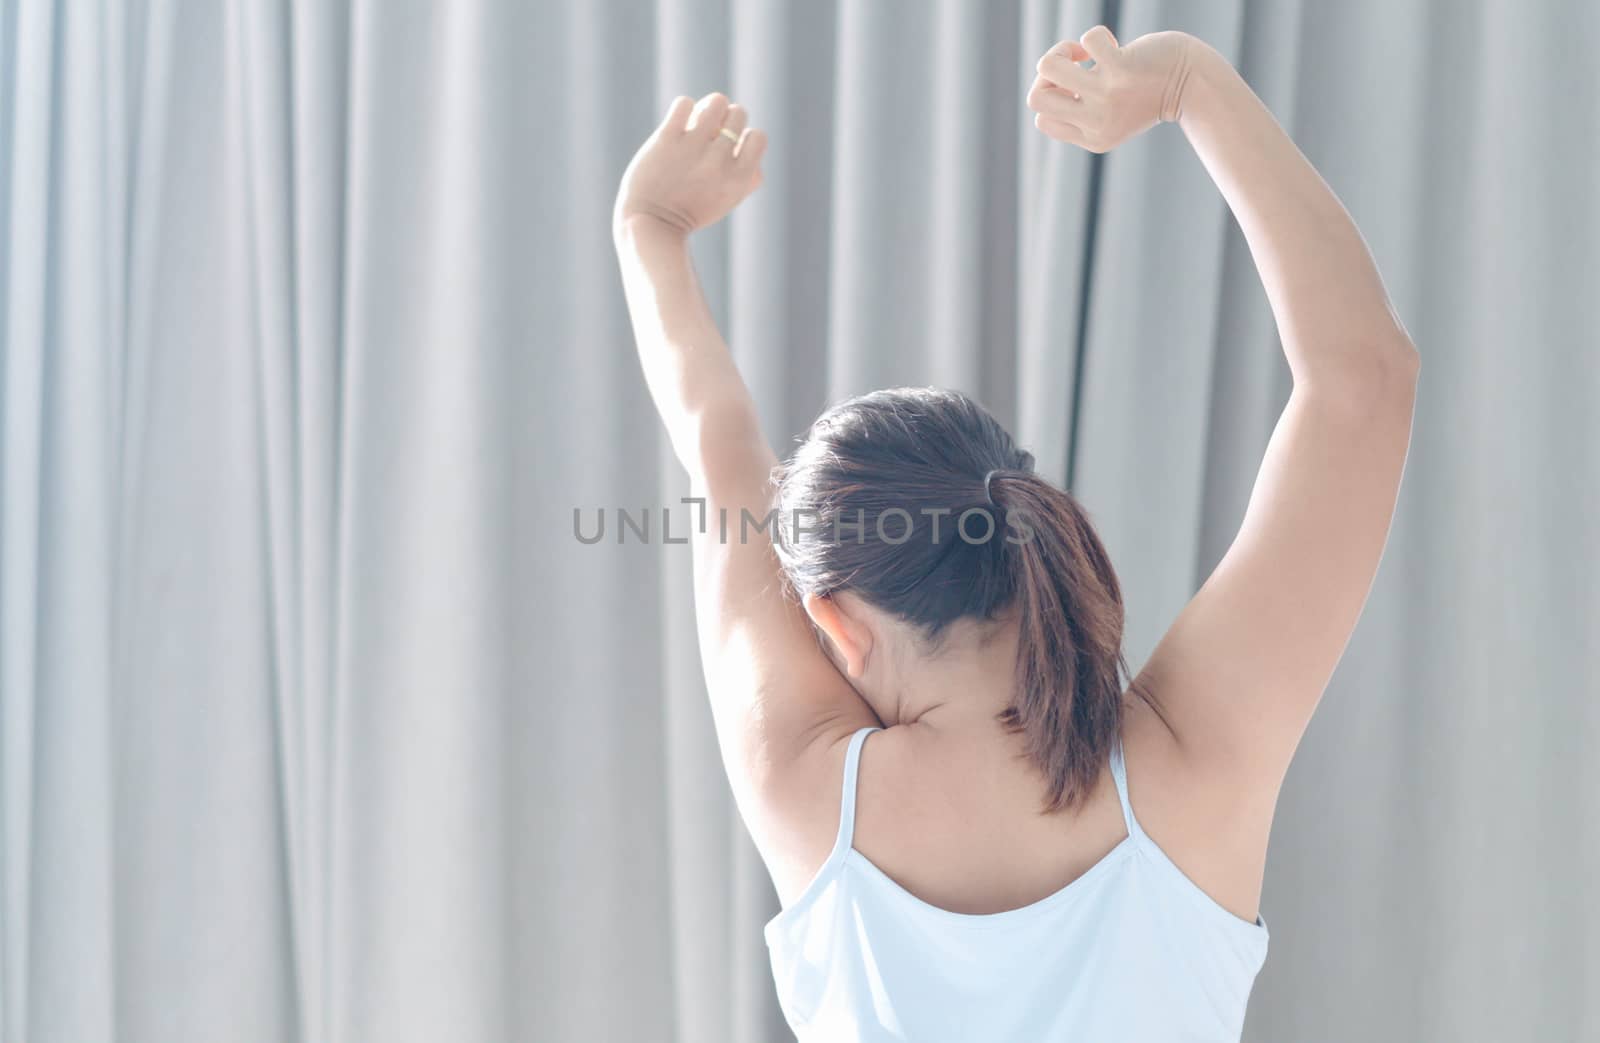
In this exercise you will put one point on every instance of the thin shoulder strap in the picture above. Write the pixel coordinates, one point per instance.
(847, 799)
(1119, 774)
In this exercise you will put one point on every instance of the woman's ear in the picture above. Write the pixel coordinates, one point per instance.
(850, 637)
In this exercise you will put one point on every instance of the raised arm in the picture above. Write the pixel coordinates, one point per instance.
(686, 176)
(778, 704)
(1242, 668)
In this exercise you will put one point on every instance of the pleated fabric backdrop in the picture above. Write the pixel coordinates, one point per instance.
(318, 724)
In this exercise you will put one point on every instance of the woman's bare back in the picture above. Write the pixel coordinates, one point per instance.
(953, 817)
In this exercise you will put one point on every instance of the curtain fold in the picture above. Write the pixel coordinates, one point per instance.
(318, 723)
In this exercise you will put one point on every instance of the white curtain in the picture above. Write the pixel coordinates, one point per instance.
(318, 724)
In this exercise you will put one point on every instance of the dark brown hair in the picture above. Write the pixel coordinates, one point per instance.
(919, 502)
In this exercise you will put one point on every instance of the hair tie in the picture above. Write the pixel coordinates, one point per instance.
(987, 495)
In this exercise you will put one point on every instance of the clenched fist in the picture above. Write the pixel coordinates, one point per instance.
(697, 165)
(1127, 90)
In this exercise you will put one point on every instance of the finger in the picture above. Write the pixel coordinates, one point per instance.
(1100, 44)
(736, 119)
(1060, 66)
(1057, 102)
(1069, 76)
(678, 114)
(709, 112)
(752, 146)
(1061, 130)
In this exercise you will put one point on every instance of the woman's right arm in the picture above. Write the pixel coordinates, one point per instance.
(1242, 668)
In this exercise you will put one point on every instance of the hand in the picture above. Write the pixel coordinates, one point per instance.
(688, 174)
(1127, 91)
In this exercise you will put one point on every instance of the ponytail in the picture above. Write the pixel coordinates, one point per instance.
(1070, 663)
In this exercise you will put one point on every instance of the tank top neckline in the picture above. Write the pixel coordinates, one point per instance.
(844, 851)
(1105, 865)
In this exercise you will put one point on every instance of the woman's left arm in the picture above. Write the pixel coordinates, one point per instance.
(782, 710)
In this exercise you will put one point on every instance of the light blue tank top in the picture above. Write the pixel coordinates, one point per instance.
(1132, 950)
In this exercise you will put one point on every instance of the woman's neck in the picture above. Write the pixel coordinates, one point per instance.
(964, 685)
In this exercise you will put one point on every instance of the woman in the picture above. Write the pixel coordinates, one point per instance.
(1026, 848)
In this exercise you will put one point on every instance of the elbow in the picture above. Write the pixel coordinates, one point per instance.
(722, 445)
(726, 430)
(1383, 368)
(1401, 358)
(1372, 388)
(1399, 368)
